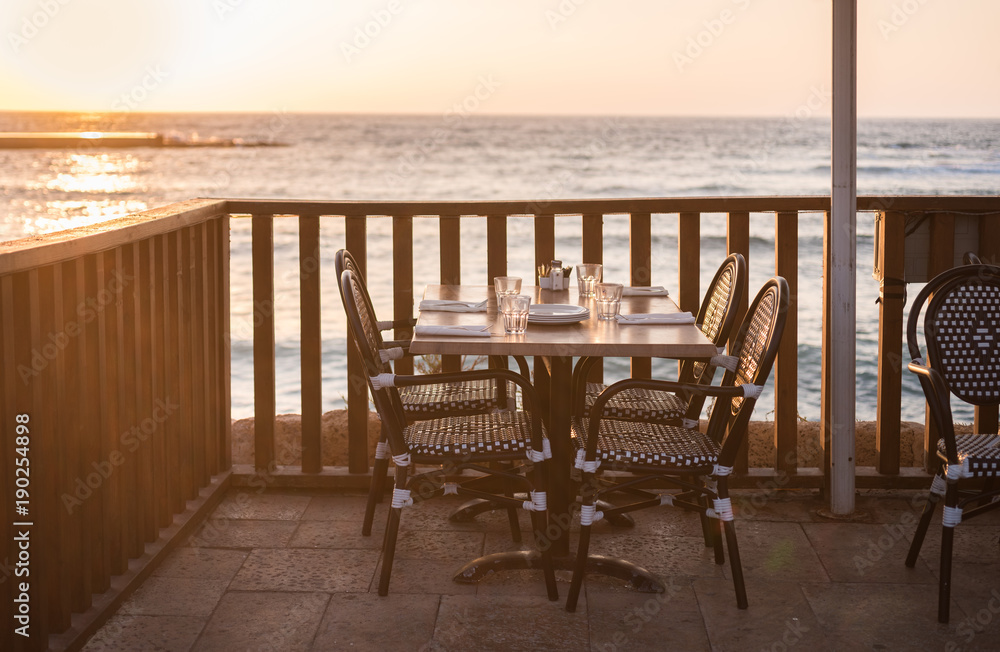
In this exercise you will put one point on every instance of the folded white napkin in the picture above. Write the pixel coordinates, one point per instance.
(453, 331)
(656, 318)
(640, 291)
(453, 306)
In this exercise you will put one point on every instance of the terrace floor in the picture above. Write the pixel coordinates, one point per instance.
(289, 570)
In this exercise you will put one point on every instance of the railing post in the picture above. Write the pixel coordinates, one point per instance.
(545, 241)
(689, 262)
(986, 419)
(225, 344)
(592, 250)
(593, 238)
(451, 270)
(941, 258)
(641, 271)
(738, 242)
(496, 247)
(892, 296)
(310, 311)
(402, 283)
(786, 421)
(356, 233)
(263, 341)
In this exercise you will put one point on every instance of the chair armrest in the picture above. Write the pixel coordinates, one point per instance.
(938, 398)
(596, 412)
(405, 322)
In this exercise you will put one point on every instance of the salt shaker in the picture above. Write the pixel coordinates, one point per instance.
(556, 274)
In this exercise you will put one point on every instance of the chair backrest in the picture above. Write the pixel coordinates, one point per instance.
(755, 346)
(364, 327)
(716, 318)
(344, 260)
(961, 331)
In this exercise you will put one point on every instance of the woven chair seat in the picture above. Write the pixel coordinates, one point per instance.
(649, 444)
(472, 396)
(638, 404)
(503, 435)
(979, 455)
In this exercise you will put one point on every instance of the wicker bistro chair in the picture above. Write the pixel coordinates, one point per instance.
(676, 456)
(430, 401)
(454, 443)
(962, 338)
(425, 401)
(716, 318)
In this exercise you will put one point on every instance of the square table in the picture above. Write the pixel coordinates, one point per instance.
(555, 345)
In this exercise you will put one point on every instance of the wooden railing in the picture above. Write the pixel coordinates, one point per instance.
(692, 213)
(115, 349)
(114, 409)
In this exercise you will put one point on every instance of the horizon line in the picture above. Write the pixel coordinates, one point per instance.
(417, 114)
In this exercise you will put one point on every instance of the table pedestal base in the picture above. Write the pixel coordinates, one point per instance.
(473, 508)
(635, 577)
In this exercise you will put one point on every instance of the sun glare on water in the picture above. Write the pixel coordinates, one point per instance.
(81, 189)
(92, 173)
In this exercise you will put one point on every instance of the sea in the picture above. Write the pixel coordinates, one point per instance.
(482, 157)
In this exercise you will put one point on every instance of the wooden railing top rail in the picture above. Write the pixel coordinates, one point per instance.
(51, 248)
(56, 247)
(531, 206)
(764, 204)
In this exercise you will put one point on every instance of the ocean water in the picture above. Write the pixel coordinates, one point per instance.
(494, 157)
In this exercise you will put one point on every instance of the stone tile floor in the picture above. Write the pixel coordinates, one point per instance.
(289, 570)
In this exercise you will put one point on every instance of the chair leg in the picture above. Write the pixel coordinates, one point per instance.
(579, 568)
(729, 527)
(737, 566)
(389, 543)
(583, 549)
(947, 543)
(375, 492)
(515, 525)
(712, 532)
(921, 531)
(944, 587)
(716, 534)
(539, 523)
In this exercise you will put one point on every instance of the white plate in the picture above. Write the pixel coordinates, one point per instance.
(554, 313)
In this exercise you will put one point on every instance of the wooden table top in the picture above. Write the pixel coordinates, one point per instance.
(591, 337)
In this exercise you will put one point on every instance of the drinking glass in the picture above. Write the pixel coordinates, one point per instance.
(587, 276)
(506, 285)
(609, 299)
(514, 310)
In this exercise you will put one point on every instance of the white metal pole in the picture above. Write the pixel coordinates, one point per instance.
(843, 256)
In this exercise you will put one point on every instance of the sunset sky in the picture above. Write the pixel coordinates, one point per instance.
(922, 58)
